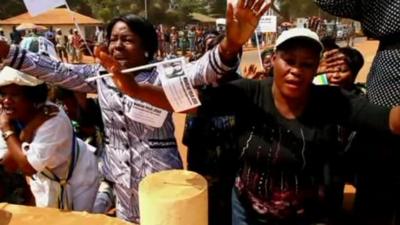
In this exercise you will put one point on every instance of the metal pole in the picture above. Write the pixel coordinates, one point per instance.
(145, 8)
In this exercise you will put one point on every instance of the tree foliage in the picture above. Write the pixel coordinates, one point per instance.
(162, 11)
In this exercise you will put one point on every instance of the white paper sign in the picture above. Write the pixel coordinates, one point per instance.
(36, 7)
(147, 114)
(177, 86)
(267, 24)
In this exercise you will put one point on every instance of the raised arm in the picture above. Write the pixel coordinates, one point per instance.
(69, 76)
(242, 20)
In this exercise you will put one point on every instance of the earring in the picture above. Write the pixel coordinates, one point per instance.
(146, 54)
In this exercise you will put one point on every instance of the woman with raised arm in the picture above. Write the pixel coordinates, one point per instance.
(286, 130)
(135, 148)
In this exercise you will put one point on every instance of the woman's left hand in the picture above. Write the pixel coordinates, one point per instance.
(242, 20)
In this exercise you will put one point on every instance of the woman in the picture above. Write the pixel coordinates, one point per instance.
(379, 20)
(287, 129)
(132, 148)
(41, 143)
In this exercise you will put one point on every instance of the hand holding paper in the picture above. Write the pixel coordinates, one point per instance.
(125, 82)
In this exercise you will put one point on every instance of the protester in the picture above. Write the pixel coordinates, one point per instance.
(211, 149)
(383, 79)
(284, 129)
(2, 37)
(342, 166)
(377, 189)
(130, 144)
(84, 113)
(63, 168)
(61, 45)
(51, 35)
(251, 72)
(76, 44)
(15, 36)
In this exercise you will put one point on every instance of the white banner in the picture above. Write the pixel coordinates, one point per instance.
(36, 7)
(267, 24)
(147, 114)
(177, 86)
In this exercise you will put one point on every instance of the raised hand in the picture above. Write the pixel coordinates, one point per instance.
(252, 73)
(331, 61)
(125, 82)
(242, 20)
(313, 23)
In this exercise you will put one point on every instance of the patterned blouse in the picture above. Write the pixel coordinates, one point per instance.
(379, 19)
(132, 149)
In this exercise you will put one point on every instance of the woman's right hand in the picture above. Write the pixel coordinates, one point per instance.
(331, 61)
(124, 82)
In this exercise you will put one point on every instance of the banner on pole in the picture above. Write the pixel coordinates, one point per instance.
(36, 7)
(267, 24)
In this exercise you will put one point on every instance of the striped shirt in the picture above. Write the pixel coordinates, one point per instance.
(132, 150)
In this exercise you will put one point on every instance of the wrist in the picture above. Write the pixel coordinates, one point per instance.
(6, 134)
(228, 48)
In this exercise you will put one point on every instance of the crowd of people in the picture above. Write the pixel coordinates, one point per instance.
(275, 145)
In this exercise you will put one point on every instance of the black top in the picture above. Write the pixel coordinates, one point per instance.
(281, 160)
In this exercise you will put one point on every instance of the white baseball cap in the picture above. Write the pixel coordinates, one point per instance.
(9, 76)
(298, 33)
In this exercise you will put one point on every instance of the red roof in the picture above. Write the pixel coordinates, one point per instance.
(59, 16)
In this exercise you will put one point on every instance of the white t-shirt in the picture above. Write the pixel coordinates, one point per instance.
(51, 149)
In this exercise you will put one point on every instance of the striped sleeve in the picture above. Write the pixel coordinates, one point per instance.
(69, 76)
(209, 68)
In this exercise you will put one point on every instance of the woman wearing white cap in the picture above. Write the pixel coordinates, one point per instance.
(286, 130)
(41, 143)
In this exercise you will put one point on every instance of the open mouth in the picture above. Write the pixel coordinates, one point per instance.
(8, 111)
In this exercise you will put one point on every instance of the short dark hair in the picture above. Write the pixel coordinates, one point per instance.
(141, 27)
(354, 59)
(36, 94)
(267, 51)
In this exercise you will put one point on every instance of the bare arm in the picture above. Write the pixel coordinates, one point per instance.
(394, 120)
(16, 156)
(242, 20)
(70, 76)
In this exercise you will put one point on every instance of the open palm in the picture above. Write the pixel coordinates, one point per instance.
(242, 19)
